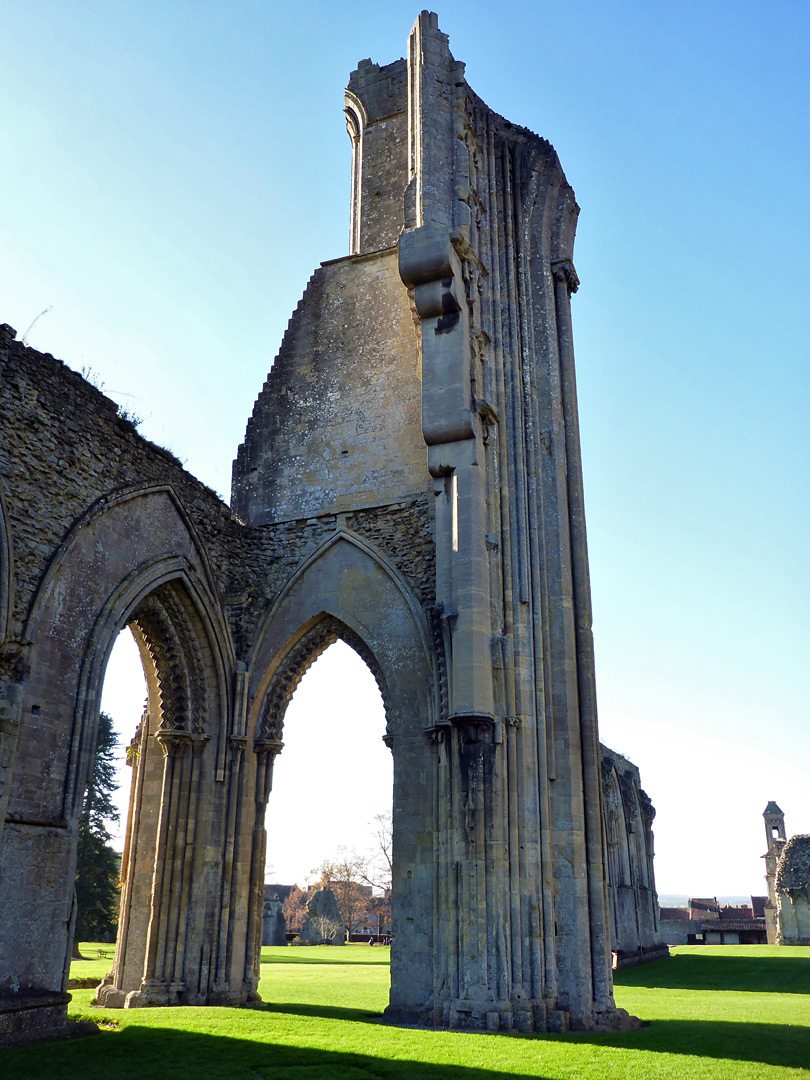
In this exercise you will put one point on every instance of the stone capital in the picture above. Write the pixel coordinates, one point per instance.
(173, 742)
(268, 747)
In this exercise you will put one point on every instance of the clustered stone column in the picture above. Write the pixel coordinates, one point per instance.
(266, 751)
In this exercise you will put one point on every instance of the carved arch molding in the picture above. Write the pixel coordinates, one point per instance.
(166, 629)
(297, 662)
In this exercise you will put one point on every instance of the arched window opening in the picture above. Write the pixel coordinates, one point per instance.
(123, 699)
(328, 816)
(355, 123)
(166, 656)
(105, 808)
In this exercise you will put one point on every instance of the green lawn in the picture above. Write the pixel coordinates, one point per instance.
(714, 1012)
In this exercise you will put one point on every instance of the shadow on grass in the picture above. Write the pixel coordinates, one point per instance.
(770, 1044)
(756, 974)
(295, 957)
(136, 1052)
(787, 1045)
(326, 1012)
(139, 1051)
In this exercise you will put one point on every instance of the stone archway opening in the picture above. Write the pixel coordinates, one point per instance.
(171, 755)
(123, 698)
(331, 783)
(106, 801)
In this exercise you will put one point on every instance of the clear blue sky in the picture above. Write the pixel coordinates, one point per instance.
(173, 173)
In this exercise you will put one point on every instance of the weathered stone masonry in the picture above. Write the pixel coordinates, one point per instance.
(410, 482)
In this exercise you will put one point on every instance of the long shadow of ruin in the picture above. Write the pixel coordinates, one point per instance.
(755, 974)
(786, 1045)
(136, 1052)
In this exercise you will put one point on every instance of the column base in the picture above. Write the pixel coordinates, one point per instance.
(613, 1021)
(151, 994)
(641, 955)
(38, 1015)
(524, 1016)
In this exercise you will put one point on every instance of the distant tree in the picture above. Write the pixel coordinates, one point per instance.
(344, 875)
(378, 867)
(379, 913)
(97, 863)
(328, 930)
(295, 909)
(379, 872)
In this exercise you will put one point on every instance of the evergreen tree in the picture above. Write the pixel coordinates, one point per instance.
(97, 864)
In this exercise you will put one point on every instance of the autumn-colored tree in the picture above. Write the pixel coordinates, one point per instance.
(379, 912)
(344, 876)
(295, 910)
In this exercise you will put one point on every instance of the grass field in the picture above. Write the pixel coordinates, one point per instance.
(714, 1012)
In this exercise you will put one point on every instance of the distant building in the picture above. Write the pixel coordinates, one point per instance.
(706, 922)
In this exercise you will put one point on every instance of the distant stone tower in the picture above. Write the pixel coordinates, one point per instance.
(775, 839)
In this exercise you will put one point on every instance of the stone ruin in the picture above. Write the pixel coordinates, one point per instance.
(627, 817)
(410, 482)
(324, 925)
(274, 925)
(793, 892)
(787, 872)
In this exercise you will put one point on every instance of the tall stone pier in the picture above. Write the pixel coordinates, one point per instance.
(430, 376)
(410, 483)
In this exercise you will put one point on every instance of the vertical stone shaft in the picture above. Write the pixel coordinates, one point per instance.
(227, 907)
(186, 843)
(265, 758)
(528, 654)
(566, 282)
(162, 927)
(137, 761)
(491, 222)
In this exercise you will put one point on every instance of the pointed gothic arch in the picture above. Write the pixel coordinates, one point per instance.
(173, 757)
(132, 559)
(347, 588)
(325, 631)
(355, 115)
(350, 586)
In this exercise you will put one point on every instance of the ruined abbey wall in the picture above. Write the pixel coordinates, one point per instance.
(103, 529)
(337, 425)
(409, 482)
(627, 817)
(793, 892)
